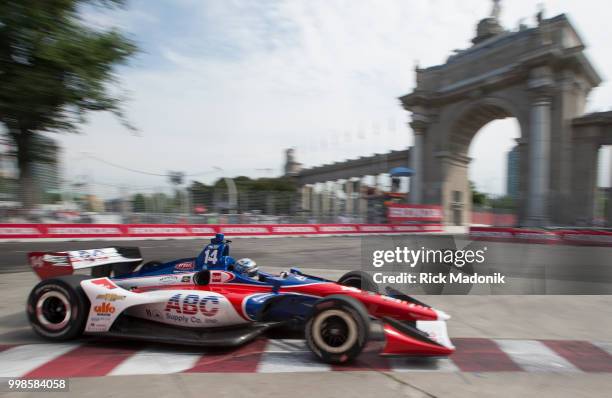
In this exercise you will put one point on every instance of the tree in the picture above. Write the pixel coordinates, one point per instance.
(139, 204)
(478, 198)
(53, 70)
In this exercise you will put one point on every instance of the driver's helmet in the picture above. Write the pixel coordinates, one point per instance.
(247, 267)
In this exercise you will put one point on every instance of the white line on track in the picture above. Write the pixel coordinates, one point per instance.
(534, 356)
(18, 361)
(286, 345)
(150, 361)
(289, 356)
(606, 346)
(403, 364)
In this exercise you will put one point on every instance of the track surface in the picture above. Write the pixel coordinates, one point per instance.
(567, 269)
(507, 345)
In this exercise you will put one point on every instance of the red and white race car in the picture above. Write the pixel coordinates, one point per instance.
(214, 300)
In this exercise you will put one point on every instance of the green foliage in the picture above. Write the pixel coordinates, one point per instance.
(51, 198)
(478, 198)
(504, 202)
(53, 70)
(268, 195)
(138, 203)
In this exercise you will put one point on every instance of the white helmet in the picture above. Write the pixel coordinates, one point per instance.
(246, 266)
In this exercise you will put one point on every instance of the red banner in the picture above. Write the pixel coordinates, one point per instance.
(95, 231)
(560, 236)
(400, 212)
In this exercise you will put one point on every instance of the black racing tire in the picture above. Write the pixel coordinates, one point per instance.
(337, 329)
(58, 308)
(360, 280)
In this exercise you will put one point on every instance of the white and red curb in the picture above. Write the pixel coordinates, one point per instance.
(104, 358)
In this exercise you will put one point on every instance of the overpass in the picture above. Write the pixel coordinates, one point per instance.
(374, 165)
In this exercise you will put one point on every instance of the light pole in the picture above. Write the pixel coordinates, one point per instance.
(231, 190)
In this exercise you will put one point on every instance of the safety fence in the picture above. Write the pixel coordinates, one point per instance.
(120, 231)
(590, 237)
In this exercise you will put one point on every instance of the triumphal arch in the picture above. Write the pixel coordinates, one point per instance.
(538, 75)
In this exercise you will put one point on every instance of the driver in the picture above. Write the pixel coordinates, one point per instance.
(246, 267)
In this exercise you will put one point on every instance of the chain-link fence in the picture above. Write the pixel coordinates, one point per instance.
(219, 206)
(215, 206)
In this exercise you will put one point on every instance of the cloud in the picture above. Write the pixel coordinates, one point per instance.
(233, 83)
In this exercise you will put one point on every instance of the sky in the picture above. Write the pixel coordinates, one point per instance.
(222, 87)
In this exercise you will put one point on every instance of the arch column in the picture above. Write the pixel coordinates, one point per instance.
(419, 126)
(538, 190)
(349, 197)
(306, 191)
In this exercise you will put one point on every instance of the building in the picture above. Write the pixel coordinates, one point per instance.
(512, 173)
(291, 166)
(46, 171)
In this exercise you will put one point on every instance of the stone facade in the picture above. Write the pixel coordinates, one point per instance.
(538, 75)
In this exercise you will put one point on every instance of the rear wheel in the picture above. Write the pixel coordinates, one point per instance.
(338, 329)
(360, 280)
(58, 308)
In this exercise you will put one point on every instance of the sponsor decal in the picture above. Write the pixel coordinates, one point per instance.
(337, 228)
(244, 230)
(291, 229)
(157, 230)
(104, 283)
(220, 276)
(168, 279)
(83, 231)
(193, 304)
(39, 261)
(92, 255)
(97, 327)
(186, 266)
(153, 313)
(375, 228)
(104, 309)
(202, 230)
(110, 297)
(414, 212)
(18, 231)
(56, 260)
(186, 278)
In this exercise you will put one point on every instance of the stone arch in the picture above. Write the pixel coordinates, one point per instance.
(538, 75)
(472, 116)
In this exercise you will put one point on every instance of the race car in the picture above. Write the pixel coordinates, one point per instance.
(215, 300)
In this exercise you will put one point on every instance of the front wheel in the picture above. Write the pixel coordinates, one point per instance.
(58, 308)
(360, 280)
(337, 329)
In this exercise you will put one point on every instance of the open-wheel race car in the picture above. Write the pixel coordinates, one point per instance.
(215, 300)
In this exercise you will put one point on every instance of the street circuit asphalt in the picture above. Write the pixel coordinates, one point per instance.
(512, 318)
(532, 268)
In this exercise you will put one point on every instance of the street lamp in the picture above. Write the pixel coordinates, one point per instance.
(231, 190)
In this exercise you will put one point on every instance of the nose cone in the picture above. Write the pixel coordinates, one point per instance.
(442, 316)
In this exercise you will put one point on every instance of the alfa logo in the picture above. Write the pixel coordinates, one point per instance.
(104, 308)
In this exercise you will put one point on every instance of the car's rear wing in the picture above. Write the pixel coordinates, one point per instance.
(51, 264)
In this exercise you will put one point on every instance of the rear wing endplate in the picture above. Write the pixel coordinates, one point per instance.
(51, 264)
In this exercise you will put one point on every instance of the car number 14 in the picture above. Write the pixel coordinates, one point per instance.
(210, 256)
